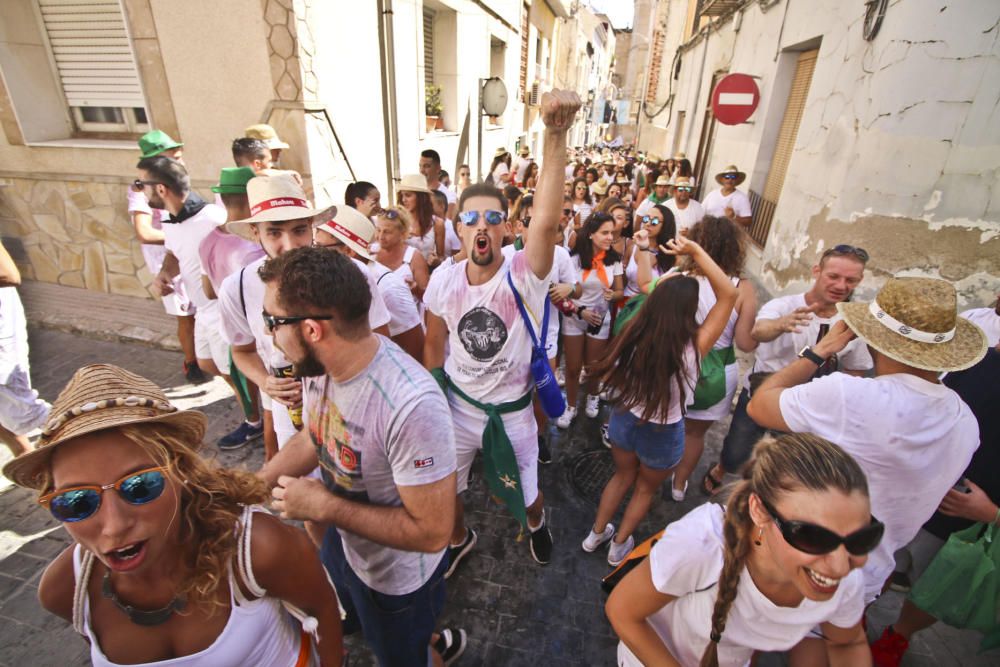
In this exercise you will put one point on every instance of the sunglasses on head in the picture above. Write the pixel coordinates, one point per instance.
(80, 502)
(817, 540)
(470, 218)
(272, 322)
(845, 249)
(651, 221)
(389, 214)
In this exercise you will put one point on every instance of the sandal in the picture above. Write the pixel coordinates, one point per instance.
(710, 484)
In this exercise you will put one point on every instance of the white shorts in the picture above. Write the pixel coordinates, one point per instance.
(521, 429)
(208, 340)
(574, 326)
(725, 406)
(177, 302)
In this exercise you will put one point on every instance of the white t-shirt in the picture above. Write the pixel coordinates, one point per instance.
(987, 320)
(593, 289)
(632, 272)
(715, 204)
(501, 170)
(452, 199)
(688, 216)
(398, 298)
(783, 350)
(521, 165)
(913, 439)
(675, 412)
(184, 239)
(584, 210)
(490, 347)
(452, 243)
(686, 563)
(151, 252)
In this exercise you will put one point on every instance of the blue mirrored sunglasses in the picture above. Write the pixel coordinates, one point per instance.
(81, 502)
(651, 221)
(470, 218)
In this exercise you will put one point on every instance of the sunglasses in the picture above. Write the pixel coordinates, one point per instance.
(651, 221)
(567, 211)
(817, 540)
(844, 249)
(272, 322)
(80, 502)
(470, 218)
(683, 188)
(139, 184)
(729, 177)
(389, 214)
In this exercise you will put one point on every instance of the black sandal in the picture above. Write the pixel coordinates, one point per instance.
(710, 484)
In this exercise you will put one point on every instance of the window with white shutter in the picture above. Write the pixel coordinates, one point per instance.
(93, 58)
(428, 47)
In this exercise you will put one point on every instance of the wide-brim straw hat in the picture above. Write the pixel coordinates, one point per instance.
(100, 397)
(351, 228)
(500, 152)
(278, 198)
(600, 187)
(915, 321)
(731, 169)
(413, 183)
(662, 179)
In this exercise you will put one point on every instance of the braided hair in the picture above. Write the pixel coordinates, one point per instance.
(788, 462)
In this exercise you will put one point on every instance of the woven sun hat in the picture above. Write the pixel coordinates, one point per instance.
(351, 228)
(100, 397)
(731, 169)
(623, 180)
(652, 157)
(680, 156)
(266, 134)
(682, 180)
(524, 150)
(155, 142)
(500, 152)
(277, 198)
(600, 187)
(413, 183)
(662, 179)
(915, 321)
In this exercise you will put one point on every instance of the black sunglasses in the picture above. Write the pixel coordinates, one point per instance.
(817, 540)
(139, 184)
(845, 249)
(272, 322)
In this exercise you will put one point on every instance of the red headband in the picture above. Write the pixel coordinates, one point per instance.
(279, 202)
(348, 233)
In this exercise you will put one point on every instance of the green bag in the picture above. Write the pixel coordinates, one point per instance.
(711, 387)
(962, 583)
(627, 312)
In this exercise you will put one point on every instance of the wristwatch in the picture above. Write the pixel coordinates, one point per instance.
(807, 353)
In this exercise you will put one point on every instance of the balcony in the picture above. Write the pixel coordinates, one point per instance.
(718, 7)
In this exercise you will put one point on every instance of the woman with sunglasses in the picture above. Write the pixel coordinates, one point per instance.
(660, 228)
(392, 226)
(426, 231)
(583, 204)
(172, 562)
(780, 560)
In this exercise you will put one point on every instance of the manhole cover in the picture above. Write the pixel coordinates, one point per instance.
(589, 472)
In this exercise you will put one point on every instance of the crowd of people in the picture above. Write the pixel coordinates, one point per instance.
(378, 351)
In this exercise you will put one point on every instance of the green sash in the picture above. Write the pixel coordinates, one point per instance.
(499, 462)
(242, 385)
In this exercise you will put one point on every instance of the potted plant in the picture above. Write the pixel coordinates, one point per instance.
(432, 107)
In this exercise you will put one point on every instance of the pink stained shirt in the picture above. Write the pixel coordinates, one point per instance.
(223, 254)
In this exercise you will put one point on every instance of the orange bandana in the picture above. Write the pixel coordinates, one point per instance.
(597, 264)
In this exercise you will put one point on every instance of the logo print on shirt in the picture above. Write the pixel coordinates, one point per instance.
(482, 333)
(423, 463)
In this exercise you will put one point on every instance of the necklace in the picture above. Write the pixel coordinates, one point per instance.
(139, 616)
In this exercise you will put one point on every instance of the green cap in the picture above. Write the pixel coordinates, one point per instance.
(233, 180)
(155, 142)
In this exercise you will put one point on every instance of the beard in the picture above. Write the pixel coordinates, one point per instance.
(155, 201)
(482, 260)
(309, 366)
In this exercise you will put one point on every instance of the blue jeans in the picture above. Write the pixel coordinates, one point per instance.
(743, 435)
(397, 628)
(658, 446)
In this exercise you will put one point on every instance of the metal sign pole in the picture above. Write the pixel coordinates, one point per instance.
(479, 133)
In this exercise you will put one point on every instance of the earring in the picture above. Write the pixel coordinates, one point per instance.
(760, 534)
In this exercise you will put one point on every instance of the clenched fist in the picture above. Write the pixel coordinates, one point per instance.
(559, 108)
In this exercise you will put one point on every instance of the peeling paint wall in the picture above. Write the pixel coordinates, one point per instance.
(898, 148)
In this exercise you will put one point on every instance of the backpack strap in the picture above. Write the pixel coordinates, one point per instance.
(527, 321)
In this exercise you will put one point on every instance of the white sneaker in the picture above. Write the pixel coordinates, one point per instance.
(566, 418)
(593, 406)
(677, 494)
(561, 377)
(595, 540)
(618, 552)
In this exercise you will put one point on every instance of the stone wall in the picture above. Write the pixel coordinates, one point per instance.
(75, 233)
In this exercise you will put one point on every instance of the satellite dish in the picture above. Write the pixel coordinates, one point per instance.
(494, 96)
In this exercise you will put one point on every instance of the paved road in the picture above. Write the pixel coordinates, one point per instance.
(516, 612)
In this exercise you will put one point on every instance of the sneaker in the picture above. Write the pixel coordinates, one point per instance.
(194, 374)
(595, 540)
(900, 582)
(618, 552)
(606, 435)
(561, 377)
(888, 650)
(566, 418)
(675, 493)
(243, 434)
(457, 553)
(450, 645)
(593, 406)
(544, 454)
(540, 541)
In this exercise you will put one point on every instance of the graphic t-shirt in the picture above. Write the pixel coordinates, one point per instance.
(388, 426)
(490, 346)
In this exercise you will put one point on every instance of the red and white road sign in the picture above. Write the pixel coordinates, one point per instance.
(735, 99)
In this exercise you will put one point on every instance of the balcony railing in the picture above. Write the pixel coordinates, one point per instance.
(763, 213)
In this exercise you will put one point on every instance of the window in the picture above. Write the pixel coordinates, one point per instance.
(95, 66)
(428, 47)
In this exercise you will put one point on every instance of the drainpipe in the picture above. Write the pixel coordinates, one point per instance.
(387, 58)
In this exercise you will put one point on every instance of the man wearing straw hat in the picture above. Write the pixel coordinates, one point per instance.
(659, 195)
(912, 435)
(267, 134)
(727, 201)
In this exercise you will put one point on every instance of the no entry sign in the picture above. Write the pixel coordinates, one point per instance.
(735, 99)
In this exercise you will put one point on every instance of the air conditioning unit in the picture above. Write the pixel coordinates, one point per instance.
(535, 96)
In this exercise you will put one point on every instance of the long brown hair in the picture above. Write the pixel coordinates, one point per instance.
(644, 357)
(424, 211)
(788, 462)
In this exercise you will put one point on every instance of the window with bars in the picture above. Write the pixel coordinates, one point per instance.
(94, 63)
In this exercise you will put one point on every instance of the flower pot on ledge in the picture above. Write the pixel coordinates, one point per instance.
(434, 123)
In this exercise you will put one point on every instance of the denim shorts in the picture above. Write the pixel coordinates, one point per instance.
(658, 446)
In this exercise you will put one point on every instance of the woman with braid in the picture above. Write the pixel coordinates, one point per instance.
(782, 560)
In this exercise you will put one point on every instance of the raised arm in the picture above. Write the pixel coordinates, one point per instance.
(559, 108)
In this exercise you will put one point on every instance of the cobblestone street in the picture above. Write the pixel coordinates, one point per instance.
(515, 612)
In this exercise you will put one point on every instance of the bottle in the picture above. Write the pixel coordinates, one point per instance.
(602, 310)
(294, 413)
(565, 306)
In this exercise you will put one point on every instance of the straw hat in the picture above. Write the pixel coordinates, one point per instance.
(266, 134)
(662, 179)
(99, 397)
(680, 156)
(600, 187)
(525, 150)
(682, 181)
(500, 152)
(652, 157)
(413, 183)
(915, 321)
(351, 228)
(731, 169)
(278, 198)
